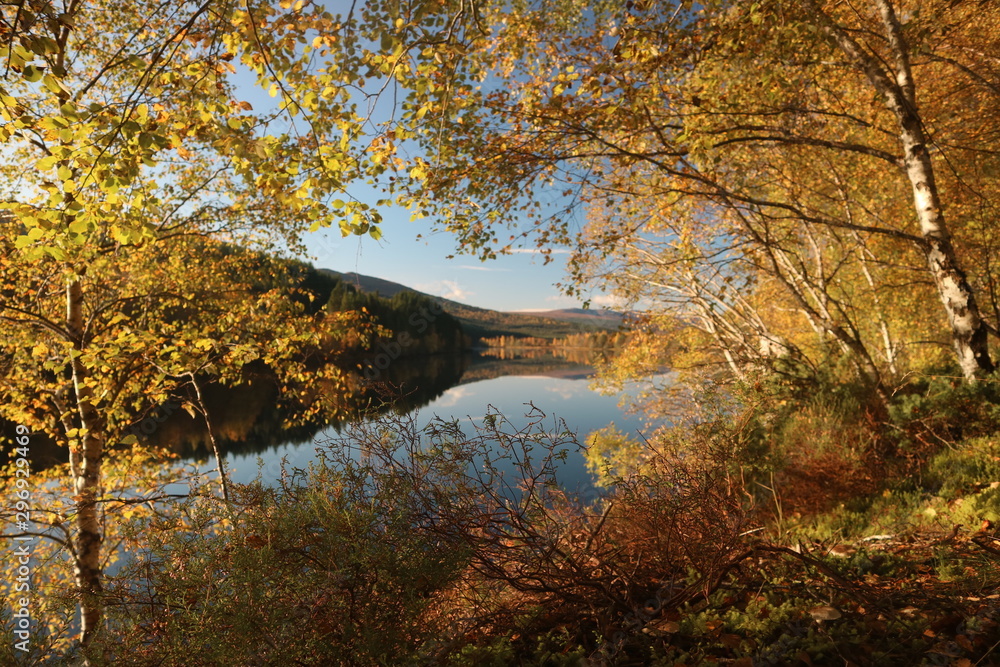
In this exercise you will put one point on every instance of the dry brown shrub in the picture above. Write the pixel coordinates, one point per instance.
(601, 565)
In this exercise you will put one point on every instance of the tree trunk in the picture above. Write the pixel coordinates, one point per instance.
(86, 454)
(969, 333)
(968, 330)
(895, 85)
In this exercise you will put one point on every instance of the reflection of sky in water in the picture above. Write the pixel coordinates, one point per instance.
(569, 400)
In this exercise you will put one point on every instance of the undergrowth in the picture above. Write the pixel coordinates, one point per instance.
(806, 526)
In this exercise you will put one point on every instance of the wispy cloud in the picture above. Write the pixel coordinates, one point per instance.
(536, 251)
(469, 267)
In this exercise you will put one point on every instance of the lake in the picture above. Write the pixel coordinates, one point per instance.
(250, 432)
(561, 391)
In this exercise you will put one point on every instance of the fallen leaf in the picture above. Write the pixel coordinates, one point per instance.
(662, 627)
(824, 613)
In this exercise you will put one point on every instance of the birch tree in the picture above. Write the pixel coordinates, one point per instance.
(140, 186)
(810, 137)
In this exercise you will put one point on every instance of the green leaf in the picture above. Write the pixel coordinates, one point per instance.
(52, 84)
(46, 163)
(56, 253)
(32, 73)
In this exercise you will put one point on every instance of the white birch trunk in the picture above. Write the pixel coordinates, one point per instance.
(86, 456)
(898, 93)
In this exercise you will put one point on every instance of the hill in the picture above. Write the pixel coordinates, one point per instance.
(483, 322)
(603, 319)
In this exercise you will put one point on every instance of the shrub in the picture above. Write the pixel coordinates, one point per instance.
(326, 568)
(939, 409)
(404, 546)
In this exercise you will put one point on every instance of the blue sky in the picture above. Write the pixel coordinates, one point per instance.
(520, 281)
(515, 282)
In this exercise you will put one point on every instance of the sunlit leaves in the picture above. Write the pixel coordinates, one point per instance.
(140, 187)
(720, 161)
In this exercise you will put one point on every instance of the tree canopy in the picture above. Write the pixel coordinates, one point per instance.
(794, 180)
(778, 182)
(136, 158)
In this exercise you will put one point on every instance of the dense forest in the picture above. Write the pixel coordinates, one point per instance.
(798, 200)
(418, 324)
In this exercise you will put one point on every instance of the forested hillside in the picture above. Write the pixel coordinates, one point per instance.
(416, 319)
(484, 323)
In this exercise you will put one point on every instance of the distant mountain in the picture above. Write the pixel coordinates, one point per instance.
(485, 323)
(606, 319)
(385, 288)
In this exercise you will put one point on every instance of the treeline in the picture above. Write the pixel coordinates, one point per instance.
(582, 348)
(411, 321)
(415, 320)
(590, 340)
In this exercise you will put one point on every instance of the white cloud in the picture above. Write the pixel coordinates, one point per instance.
(607, 301)
(448, 289)
(450, 398)
(454, 292)
(537, 251)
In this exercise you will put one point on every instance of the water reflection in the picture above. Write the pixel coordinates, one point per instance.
(555, 394)
(249, 421)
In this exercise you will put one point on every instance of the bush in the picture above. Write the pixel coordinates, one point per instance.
(941, 409)
(406, 546)
(329, 567)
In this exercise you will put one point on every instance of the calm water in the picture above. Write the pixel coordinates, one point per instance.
(565, 396)
(249, 428)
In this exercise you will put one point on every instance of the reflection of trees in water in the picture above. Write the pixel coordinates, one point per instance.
(410, 383)
(247, 419)
(574, 355)
(487, 367)
(248, 423)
